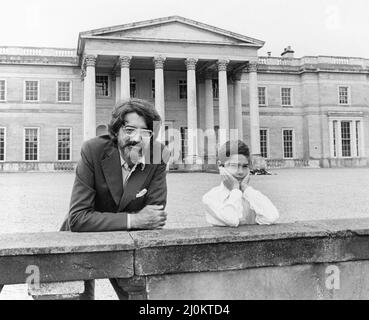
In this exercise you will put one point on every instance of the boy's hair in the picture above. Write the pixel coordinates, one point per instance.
(232, 147)
(139, 106)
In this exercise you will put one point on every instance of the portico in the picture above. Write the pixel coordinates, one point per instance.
(192, 72)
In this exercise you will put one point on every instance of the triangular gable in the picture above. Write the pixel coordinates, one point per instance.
(173, 28)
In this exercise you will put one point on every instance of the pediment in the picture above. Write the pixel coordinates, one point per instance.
(173, 29)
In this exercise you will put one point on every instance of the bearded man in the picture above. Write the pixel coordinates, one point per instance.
(120, 181)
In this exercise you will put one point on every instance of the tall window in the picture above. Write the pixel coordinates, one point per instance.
(286, 96)
(31, 144)
(64, 91)
(182, 86)
(184, 142)
(346, 139)
(2, 144)
(133, 88)
(215, 84)
(2, 90)
(343, 95)
(264, 143)
(287, 143)
(262, 96)
(102, 86)
(31, 91)
(152, 88)
(64, 144)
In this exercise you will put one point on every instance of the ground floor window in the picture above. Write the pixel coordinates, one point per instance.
(345, 138)
(264, 143)
(64, 144)
(2, 144)
(184, 138)
(288, 143)
(182, 88)
(31, 144)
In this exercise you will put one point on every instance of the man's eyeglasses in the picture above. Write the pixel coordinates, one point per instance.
(235, 166)
(132, 131)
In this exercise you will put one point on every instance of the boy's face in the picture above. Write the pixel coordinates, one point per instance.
(238, 166)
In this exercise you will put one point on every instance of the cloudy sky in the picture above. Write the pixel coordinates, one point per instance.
(313, 27)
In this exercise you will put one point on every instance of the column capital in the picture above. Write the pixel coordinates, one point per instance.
(89, 60)
(253, 66)
(159, 62)
(125, 61)
(222, 64)
(191, 63)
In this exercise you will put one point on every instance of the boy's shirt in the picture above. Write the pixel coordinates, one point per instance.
(234, 208)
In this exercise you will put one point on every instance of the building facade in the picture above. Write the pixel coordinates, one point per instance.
(207, 83)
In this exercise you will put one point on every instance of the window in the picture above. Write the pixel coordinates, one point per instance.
(346, 139)
(286, 96)
(152, 88)
(182, 85)
(215, 84)
(262, 96)
(31, 144)
(64, 91)
(183, 142)
(2, 144)
(64, 144)
(343, 95)
(287, 143)
(102, 86)
(31, 91)
(2, 90)
(133, 88)
(264, 143)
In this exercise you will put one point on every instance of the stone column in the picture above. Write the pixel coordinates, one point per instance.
(254, 109)
(89, 98)
(209, 118)
(159, 93)
(125, 62)
(238, 105)
(192, 143)
(223, 101)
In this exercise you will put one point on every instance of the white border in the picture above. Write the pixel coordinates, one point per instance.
(4, 144)
(70, 91)
(71, 143)
(38, 144)
(24, 91)
(293, 144)
(5, 90)
(348, 95)
(280, 96)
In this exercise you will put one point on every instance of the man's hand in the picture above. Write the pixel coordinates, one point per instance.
(229, 181)
(150, 217)
(245, 182)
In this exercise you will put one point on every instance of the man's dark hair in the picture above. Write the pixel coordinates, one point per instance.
(139, 106)
(232, 147)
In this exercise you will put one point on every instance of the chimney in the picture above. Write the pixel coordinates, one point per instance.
(288, 52)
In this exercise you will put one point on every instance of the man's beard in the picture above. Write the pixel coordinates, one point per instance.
(132, 152)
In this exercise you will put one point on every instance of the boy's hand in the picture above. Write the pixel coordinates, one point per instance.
(245, 182)
(229, 181)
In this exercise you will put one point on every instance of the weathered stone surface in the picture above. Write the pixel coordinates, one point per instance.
(209, 235)
(63, 242)
(57, 288)
(135, 287)
(68, 267)
(290, 282)
(344, 226)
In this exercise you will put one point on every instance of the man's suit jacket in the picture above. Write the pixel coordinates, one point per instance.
(98, 201)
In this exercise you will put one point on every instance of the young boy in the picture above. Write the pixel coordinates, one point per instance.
(234, 202)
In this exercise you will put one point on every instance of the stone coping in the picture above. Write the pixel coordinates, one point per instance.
(46, 243)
